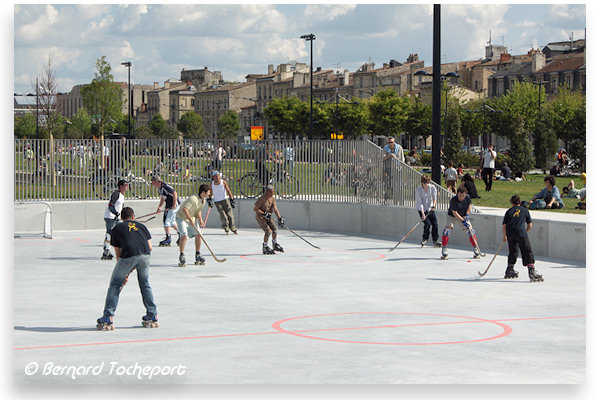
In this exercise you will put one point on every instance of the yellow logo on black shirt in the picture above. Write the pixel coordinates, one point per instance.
(131, 225)
(517, 213)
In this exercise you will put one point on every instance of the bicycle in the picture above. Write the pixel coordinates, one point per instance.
(285, 185)
(103, 185)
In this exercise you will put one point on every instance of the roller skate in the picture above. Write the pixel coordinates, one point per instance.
(166, 242)
(106, 255)
(149, 321)
(423, 243)
(267, 249)
(182, 260)
(234, 232)
(444, 253)
(199, 259)
(105, 324)
(533, 274)
(277, 247)
(476, 253)
(438, 244)
(510, 273)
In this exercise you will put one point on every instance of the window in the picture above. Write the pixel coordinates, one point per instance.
(569, 81)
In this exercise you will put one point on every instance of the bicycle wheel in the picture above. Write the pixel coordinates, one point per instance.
(287, 187)
(250, 186)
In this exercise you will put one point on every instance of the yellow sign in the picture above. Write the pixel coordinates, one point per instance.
(338, 136)
(256, 133)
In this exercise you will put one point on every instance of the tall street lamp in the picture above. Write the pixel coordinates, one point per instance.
(309, 38)
(128, 65)
(539, 85)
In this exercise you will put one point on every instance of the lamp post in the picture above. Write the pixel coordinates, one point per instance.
(310, 38)
(484, 110)
(128, 65)
(539, 85)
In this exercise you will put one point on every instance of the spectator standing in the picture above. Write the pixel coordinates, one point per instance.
(489, 157)
(451, 176)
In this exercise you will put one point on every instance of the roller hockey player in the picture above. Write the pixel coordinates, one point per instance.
(425, 199)
(132, 243)
(264, 208)
(515, 225)
(459, 210)
(189, 217)
(169, 197)
(111, 215)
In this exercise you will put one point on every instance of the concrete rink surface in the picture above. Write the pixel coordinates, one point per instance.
(350, 313)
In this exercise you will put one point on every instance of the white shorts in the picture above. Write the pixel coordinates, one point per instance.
(170, 216)
(185, 229)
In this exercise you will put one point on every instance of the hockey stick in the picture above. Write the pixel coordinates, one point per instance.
(493, 258)
(316, 247)
(472, 234)
(146, 220)
(147, 215)
(125, 280)
(205, 219)
(220, 260)
(405, 236)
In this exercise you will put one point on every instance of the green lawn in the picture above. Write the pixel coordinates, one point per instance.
(502, 191)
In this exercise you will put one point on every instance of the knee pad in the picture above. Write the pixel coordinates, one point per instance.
(446, 231)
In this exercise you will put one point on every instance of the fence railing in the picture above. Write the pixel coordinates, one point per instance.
(337, 171)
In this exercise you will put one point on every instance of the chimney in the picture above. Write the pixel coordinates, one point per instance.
(271, 70)
(538, 61)
(167, 84)
(346, 77)
(386, 65)
(156, 85)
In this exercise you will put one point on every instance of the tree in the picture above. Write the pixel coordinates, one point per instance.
(453, 138)
(102, 98)
(157, 124)
(285, 115)
(520, 147)
(568, 112)
(81, 125)
(352, 119)
(388, 112)
(25, 126)
(191, 126)
(169, 132)
(418, 120)
(545, 142)
(521, 102)
(228, 125)
(48, 102)
(143, 132)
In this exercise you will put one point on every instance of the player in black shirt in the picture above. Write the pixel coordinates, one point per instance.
(132, 244)
(516, 224)
(169, 197)
(459, 210)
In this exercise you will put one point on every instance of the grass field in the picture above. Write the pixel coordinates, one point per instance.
(503, 190)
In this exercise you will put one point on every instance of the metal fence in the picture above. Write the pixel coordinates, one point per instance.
(336, 171)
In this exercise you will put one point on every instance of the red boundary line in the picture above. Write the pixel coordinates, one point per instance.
(299, 333)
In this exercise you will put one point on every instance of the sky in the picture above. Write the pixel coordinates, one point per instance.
(239, 39)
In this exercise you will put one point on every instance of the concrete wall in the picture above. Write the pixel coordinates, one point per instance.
(565, 240)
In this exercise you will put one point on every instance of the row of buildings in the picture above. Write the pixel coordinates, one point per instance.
(207, 94)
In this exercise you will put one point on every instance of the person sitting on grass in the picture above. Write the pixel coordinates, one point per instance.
(573, 193)
(548, 197)
(469, 184)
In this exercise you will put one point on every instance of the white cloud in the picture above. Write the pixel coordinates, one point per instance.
(327, 11)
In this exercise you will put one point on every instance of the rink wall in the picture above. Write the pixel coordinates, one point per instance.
(563, 239)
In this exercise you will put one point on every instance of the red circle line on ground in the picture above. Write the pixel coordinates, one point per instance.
(506, 329)
(276, 259)
(280, 332)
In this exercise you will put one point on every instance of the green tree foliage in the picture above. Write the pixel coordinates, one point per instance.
(418, 120)
(169, 132)
(323, 120)
(144, 132)
(545, 143)
(25, 126)
(228, 125)
(352, 118)
(568, 111)
(81, 125)
(102, 98)
(157, 124)
(388, 112)
(453, 141)
(521, 103)
(285, 115)
(191, 125)
(520, 147)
